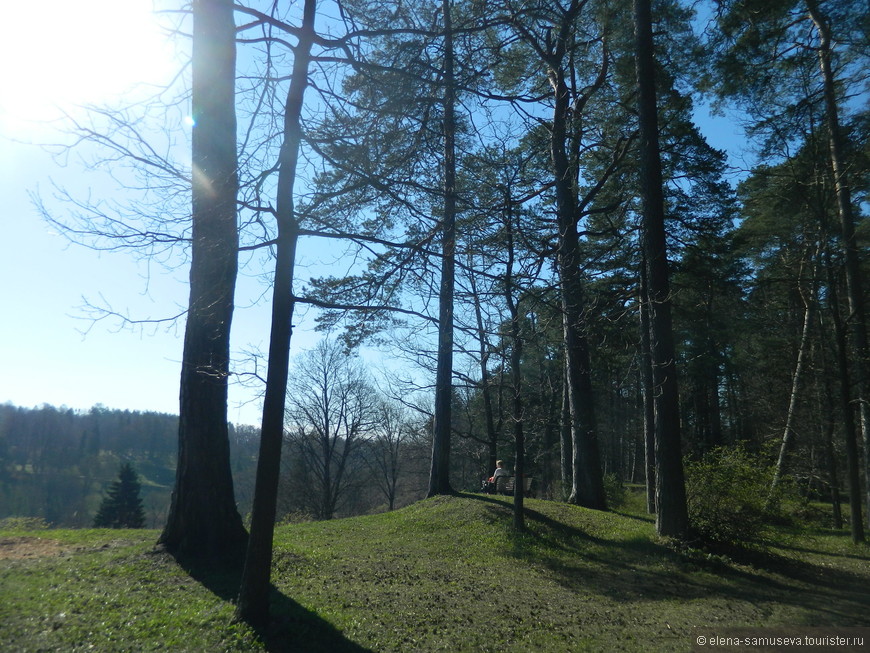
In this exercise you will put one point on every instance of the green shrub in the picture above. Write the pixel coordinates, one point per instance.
(726, 493)
(294, 517)
(23, 524)
(614, 489)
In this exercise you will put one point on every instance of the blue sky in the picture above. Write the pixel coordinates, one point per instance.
(49, 351)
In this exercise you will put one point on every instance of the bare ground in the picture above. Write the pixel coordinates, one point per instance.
(22, 548)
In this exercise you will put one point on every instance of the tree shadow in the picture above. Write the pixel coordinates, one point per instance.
(850, 556)
(649, 519)
(292, 628)
(621, 569)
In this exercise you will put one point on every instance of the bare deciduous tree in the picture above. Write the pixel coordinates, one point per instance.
(385, 451)
(331, 406)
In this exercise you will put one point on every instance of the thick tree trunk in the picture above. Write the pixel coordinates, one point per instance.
(203, 520)
(854, 282)
(671, 516)
(587, 483)
(253, 603)
(587, 487)
(439, 475)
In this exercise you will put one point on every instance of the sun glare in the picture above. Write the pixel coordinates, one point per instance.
(58, 55)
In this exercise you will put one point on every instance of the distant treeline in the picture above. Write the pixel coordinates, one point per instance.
(56, 463)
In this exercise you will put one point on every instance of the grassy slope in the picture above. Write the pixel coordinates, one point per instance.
(444, 574)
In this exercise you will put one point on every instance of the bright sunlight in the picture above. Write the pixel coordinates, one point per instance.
(58, 55)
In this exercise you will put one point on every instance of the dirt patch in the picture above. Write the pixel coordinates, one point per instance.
(21, 548)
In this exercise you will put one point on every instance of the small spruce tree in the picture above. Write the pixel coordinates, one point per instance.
(122, 507)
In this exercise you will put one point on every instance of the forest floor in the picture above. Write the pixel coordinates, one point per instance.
(445, 574)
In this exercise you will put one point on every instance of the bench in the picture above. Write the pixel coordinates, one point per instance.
(505, 485)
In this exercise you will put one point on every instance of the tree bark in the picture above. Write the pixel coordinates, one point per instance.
(587, 482)
(203, 520)
(253, 603)
(439, 476)
(671, 516)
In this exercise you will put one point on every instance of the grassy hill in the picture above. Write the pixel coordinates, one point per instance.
(446, 574)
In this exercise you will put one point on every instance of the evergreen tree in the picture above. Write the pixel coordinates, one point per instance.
(122, 507)
(784, 62)
(670, 494)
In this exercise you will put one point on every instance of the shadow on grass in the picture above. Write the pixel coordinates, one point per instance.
(292, 627)
(648, 519)
(863, 548)
(644, 568)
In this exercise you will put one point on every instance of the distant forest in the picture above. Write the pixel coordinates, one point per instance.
(56, 464)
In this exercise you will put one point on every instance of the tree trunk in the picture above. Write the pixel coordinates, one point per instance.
(587, 483)
(485, 386)
(587, 486)
(853, 474)
(253, 604)
(797, 378)
(517, 418)
(671, 517)
(203, 520)
(566, 447)
(545, 489)
(825, 404)
(648, 390)
(712, 382)
(854, 282)
(516, 381)
(439, 476)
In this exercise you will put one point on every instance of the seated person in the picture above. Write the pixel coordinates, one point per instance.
(493, 480)
(499, 470)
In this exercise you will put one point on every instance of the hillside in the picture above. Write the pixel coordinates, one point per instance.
(443, 574)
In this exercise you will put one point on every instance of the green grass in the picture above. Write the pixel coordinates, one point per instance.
(446, 574)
